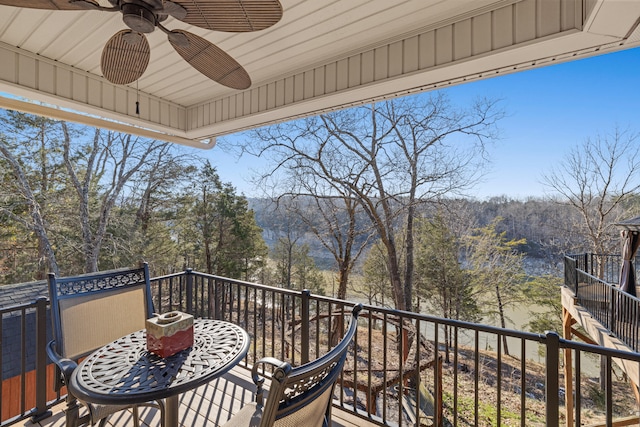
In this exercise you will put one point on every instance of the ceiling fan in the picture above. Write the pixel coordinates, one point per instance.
(126, 55)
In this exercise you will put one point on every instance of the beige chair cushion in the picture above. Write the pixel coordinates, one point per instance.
(249, 416)
(311, 415)
(94, 320)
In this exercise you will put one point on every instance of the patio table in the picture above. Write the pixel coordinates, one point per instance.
(123, 372)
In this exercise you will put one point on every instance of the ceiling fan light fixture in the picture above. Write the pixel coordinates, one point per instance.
(174, 9)
(132, 38)
(178, 39)
(138, 18)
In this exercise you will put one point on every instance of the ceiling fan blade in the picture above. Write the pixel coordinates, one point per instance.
(210, 60)
(50, 4)
(125, 57)
(237, 16)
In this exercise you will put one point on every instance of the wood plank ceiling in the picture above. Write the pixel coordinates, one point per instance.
(322, 55)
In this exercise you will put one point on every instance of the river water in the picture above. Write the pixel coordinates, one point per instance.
(518, 317)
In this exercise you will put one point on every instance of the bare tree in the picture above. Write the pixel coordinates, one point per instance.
(332, 215)
(337, 224)
(160, 177)
(390, 157)
(105, 163)
(27, 146)
(336, 221)
(289, 231)
(597, 179)
(35, 221)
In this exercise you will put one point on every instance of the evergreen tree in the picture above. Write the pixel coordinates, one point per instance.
(295, 269)
(377, 286)
(544, 292)
(218, 230)
(496, 271)
(442, 282)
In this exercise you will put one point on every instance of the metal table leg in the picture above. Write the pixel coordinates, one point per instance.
(171, 411)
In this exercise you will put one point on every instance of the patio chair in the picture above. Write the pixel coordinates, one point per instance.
(87, 312)
(299, 396)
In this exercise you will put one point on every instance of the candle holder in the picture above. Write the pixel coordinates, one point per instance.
(169, 333)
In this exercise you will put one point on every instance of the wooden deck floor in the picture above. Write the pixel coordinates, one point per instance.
(210, 405)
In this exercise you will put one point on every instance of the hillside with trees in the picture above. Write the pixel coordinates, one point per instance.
(368, 202)
(77, 200)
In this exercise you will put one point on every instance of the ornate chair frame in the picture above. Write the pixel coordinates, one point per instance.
(300, 396)
(87, 312)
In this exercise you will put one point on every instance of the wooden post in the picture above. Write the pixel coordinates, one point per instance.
(372, 398)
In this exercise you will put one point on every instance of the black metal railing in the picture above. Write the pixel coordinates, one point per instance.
(26, 379)
(407, 368)
(615, 309)
(606, 267)
(452, 369)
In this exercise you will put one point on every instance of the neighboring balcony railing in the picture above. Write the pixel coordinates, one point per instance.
(613, 308)
(405, 367)
(606, 267)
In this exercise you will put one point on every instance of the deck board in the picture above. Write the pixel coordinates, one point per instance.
(209, 405)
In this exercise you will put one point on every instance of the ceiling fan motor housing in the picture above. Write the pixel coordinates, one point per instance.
(137, 16)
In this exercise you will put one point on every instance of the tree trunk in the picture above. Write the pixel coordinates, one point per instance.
(338, 327)
(503, 322)
(409, 266)
(37, 224)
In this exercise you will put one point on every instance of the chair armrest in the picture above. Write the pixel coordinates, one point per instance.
(255, 376)
(259, 380)
(66, 365)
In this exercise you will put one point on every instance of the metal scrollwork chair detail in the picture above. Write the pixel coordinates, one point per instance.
(299, 396)
(87, 312)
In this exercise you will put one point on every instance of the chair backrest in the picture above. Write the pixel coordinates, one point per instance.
(91, 310)
(302, 396)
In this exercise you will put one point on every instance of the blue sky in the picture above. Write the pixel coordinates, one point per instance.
(549, 111)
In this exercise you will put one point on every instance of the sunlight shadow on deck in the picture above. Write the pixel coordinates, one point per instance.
(210, 405)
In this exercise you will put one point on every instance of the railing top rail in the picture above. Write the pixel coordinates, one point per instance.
(596, 349)
(380, 310)
(613, 286)
(455, 323)
(18, 307)
(592, 254)
(249, 284)
(167, 276)
(388, 311)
